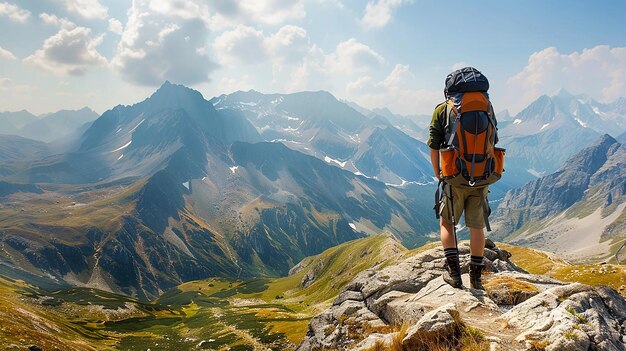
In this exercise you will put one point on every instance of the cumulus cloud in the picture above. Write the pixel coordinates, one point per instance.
(5, 83)
(180, 8)
(289, 44)
(6, 54)
(115, 26)
(353, 56)
(14, 12)
(159, 43)
(397, 90)
(69, 52)
(378, 13)
(598, 72)
(89, 9)
(9, 86)
(243, 44)
(268, 12)
(56, 21)
(248, 45)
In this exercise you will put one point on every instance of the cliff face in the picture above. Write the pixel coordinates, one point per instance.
(518, 311)
(576, 212)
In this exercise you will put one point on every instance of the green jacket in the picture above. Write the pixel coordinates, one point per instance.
(436, 130)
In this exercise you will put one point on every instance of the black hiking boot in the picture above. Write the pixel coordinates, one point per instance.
(475, 271)
(452, 275)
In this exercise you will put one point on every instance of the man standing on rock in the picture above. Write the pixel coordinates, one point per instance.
(465, 160)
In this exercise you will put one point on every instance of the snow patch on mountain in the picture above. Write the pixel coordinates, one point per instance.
(138, 124)
(123, 146)
(329, 160)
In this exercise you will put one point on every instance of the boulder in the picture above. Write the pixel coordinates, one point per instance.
(435, 327)
(572, 317)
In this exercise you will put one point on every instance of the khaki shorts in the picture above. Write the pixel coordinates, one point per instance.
(465, 200)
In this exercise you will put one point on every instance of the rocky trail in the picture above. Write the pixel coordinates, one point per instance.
(408, 306)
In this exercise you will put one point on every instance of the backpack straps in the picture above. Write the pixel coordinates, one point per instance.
(450, 110)
(438, 198)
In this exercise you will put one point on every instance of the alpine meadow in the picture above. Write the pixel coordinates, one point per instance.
(312, 175)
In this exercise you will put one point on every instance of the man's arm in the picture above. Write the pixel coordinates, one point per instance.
(436, 138)
(434, 159)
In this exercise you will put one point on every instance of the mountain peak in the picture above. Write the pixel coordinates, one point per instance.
(606, 138)
(175, 96)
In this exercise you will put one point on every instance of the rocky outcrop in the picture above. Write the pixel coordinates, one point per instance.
(519, 311)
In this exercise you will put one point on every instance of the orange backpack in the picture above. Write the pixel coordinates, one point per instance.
(470, 158)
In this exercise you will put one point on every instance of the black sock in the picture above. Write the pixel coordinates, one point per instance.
(477, 260)
(451, 252)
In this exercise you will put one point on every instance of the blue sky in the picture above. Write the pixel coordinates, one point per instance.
(58, 54)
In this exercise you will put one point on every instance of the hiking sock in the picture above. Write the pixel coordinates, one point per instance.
(452, 274)
(451, 252)
(477, 260)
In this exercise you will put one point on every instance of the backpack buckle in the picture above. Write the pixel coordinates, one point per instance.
(472, 183)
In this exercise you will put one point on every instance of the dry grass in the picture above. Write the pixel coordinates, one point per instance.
(396, 341)
(460, 337)
(538, 345)
(509, 291)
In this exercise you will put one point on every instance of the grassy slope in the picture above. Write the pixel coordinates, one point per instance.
(220, 314)
(215, 313)
(538, 262)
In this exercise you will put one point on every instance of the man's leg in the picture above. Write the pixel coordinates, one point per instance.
(477, 249)
(477, 241)
(452, 275)
(447, 236)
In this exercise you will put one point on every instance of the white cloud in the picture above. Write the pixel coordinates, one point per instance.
(14, 12)
(228, 85)
(115, 26)
(89, 9)
(70, 51)
(397, 91)
(248, 45)
(598, 72)
(158, 44)
(242, 44)
(267, 12)
(6, 54)
(289, 44)
(5, 83)
(181, 8)
(56, 21)
(353, 56)
(8, 85)
(378, 13)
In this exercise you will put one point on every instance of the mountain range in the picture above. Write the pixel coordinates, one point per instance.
(177, 187)
(172, 189)
(577, 212)
(540, 138)
(47, 127)
(318, 124)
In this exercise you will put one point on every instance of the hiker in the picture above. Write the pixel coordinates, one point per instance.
(465, 160)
